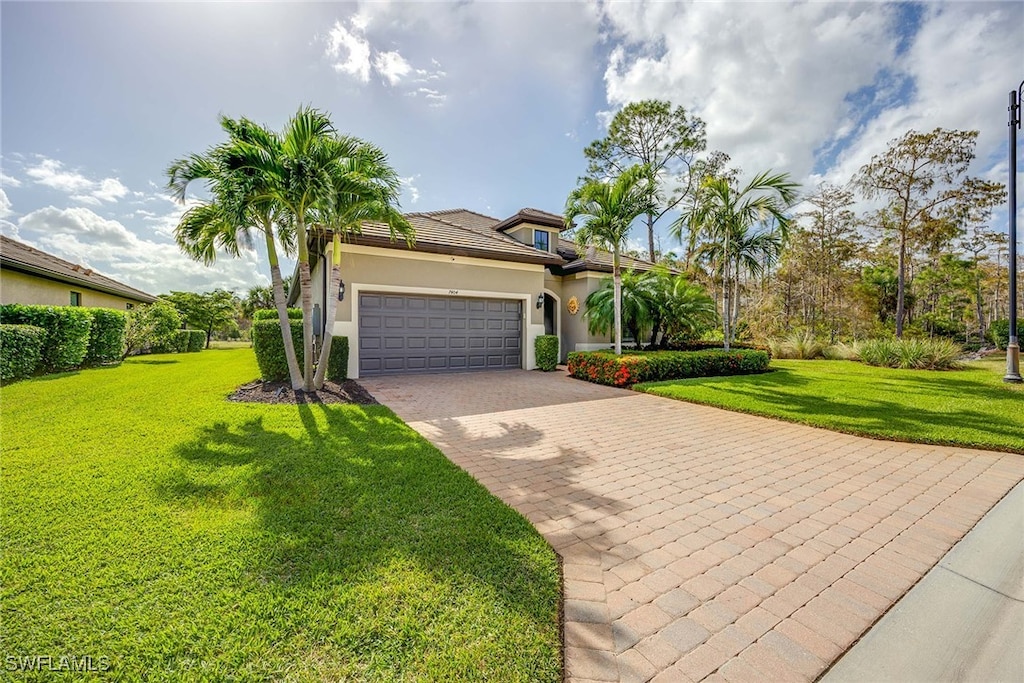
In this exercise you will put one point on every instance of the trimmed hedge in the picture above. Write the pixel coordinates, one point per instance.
(715, 345)
(67, 332)
(196, 341)
(337, 364)
(269, 348)
(271, 314)
(603, 367)
(21, 347)
(107, 336)
(546, 347)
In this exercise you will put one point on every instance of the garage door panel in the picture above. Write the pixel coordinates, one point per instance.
(417, 333)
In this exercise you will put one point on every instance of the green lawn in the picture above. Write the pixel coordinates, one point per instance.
(149, 521)
(970, 407)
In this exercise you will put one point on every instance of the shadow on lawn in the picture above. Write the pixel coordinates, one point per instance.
(357, 491)
(898, 415)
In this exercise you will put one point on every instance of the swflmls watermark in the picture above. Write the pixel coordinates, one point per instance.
(77, 663)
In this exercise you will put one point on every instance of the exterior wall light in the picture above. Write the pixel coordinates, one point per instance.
(341, 290)
(540, 300)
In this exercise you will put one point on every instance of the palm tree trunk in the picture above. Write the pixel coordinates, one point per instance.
(294, 373)
(333, 256)
(650, 237)
(617, 298)
(306, 296)
(726, 310)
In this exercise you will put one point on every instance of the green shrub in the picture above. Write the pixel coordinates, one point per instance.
(713, 345)
(107, 336)
(271, 314)
(196, 341)
(337, 364)
(152, 328)
(269, 348)
(912, 354)
(842, 351)
(177, 342)
(546, 347)
(603, 367)
(21, 347)
(797, 346)
(67, 332)
(999, 333)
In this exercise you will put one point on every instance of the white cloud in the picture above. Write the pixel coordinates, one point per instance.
(392, 66)
(5, 206)
(51, 173)
(816, 89)
(80, 235)
(409, 187)
(770, 82)
(349, 49)
(8, 181)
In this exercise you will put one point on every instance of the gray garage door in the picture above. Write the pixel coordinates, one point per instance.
(401, 333)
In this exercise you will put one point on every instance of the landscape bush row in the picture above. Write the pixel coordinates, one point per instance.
(604, 367)
(936, 353)
(48, 339)
(268, 345)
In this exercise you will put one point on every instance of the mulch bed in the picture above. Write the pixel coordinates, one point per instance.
(348, 391)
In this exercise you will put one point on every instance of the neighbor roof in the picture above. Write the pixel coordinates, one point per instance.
(20, 257)
(459, 232)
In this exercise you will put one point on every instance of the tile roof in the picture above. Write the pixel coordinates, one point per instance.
(528, 215)
(597, 260)
(21, 257)
(458, 232)
(462, 232)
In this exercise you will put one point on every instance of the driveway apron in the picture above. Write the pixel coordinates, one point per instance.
(697, 543)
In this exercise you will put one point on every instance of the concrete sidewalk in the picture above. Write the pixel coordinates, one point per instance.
(963, 622)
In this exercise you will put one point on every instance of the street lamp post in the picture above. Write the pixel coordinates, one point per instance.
(1013, 348)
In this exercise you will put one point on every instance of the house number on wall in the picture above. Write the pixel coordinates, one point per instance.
(573, 305)
(453, 291)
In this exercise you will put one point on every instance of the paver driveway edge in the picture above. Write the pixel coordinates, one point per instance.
(699, 543)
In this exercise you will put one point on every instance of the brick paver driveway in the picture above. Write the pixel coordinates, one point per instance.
(699, 543)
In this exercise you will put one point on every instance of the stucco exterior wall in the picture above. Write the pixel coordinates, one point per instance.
(575, 336)
(368, 269)
(21, 288)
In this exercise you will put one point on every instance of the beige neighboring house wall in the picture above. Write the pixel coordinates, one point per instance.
(33, 277)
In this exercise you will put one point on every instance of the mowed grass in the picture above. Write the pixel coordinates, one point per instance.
(970, 407)
(149, 521)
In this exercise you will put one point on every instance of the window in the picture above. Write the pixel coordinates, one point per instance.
(540, 240)
(76, 298)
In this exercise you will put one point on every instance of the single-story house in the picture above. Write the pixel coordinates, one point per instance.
(31, 276)
(472, 294)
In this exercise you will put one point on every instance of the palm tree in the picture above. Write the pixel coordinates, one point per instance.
(609, 209)
(240, 205)
(725, 214)
(365, 188)
(636, 306)
(679, 308)
(304, 180)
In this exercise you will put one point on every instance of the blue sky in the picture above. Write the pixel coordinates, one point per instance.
(482, 105)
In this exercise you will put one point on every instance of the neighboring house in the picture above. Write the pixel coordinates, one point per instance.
(473, 294)
(30, 276)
